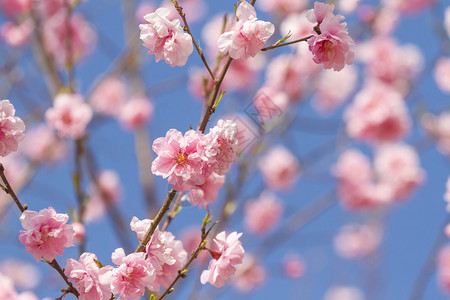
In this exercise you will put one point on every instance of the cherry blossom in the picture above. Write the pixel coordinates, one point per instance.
(133, 274)
(69, 115)
(11, 128)
(439, 128)
(248, 35)
(262, 215)
(166, 39)
(356, 241)
(282, 7)
(13, 8)
(249, 275)
(378, 114)
(442, 74)
(293, 266)
(207, 192)
(80, 232)
(46, 233)
(280, 168)
(330, 43)
(109, 96)
(16, 35)
(229, 253)
(23, 274)
(270, 103)
(136, 112)
(84, 274)
(42, 145)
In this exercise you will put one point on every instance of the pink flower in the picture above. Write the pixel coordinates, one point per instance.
(279, 168)
(69, 115)
(133, 274)
(110, 193)
(297, 25)
(333, 88)
(142, 10)
(55, 33)
(194, 10)
(262, 214)
(442, 74)
(229, 253)
(7, 290)
(439, 128)
(443, 268)
(136, 112)
(24, 275)
(270, 104)
(42, 145)
(356, 241)
(213, 29)
(348, 6)
(206, 193)
(13, 8)
(84, 274)
(47, 233)
(180, 159)
(191, 237)
(16, 35)
(11, 128)
(331, 44)
(294, 266)
(166, 39)
(249, 275)
(344, 293)
(220, 146)
(80, 232)
(378, 114)
(109, 96)
(398, 167)
(166, 255)
(282, 7)
(248, 36)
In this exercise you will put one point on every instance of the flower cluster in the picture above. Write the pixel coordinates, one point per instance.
(11, 128)
(187, 161)
(166, 38)
(248, 35)
(330, 43)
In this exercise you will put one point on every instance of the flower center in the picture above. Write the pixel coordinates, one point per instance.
(181, 158)
(327, 47)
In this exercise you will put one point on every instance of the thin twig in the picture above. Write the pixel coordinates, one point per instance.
(288, 43)
(156, 221)
(172, 212)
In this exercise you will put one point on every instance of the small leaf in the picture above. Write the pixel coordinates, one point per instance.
(288, 35)
(219, 98)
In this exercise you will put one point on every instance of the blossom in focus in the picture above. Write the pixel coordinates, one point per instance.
(356, 241)
(442, 74)
(11, 128)
(69, 115)
(249, 275)
(294, 266)
(46, 233)
(133, 274)
(331, 44)
(136, 112)
(248, 35)
(229, 254)
(220, 146)
(180, 159)
(377, 114)
(84, 275)
(55, 33)
(42, 145)
(109, 96)
(398, 166)
(279, 168)
(439, 128)
(166, 39)
(16, 35)
(262, 215)
(207, 192)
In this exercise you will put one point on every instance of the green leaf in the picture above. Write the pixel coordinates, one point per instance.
(219, 98)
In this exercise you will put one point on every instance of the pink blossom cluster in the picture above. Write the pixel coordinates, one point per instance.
(280, 168)
(11, 128)
(282, 7)
(41, 144)
(377, 114)
(9, 292)
(248, 35)
(207, 192)
(228, 254)
(330, 43)
(46, 233)
(356, 241)
(166, 39)
(13, 8)
(294, 266)
(395, 175)
(16, 35)
(69, 115)
(262, 215)
(249, 275)
(187, 161)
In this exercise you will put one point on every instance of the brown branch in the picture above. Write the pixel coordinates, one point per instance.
(285, 44)
(172, 212)
(156, 221)
(77, 180)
